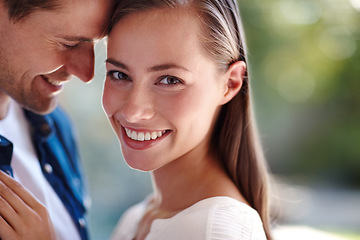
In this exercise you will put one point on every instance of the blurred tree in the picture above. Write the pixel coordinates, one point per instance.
(304, 62)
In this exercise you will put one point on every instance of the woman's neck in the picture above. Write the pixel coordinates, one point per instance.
(182, 183)
(188, 180)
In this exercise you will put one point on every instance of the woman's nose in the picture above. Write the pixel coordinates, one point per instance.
(138, 106)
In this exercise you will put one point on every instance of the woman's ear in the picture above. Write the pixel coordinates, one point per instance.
(234, 80)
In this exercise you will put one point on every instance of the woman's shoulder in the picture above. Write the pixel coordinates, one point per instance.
(212, 218)
(215, 218)
(127, 225)
(231, 219)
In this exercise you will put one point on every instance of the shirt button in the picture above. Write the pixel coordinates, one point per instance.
(82, 222)
(48, 168)
(87, 202)
(45, 129)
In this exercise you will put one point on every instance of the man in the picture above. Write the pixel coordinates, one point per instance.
(42, 44)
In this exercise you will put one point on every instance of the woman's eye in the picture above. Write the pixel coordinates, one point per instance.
(116, 75)
(170, 80)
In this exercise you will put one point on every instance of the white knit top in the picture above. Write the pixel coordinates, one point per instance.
(217, 218)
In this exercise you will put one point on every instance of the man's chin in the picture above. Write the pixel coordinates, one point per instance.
(41, 108)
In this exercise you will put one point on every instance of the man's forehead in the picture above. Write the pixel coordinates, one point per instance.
(84, 20)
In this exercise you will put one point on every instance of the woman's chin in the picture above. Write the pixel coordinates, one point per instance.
(141, 165)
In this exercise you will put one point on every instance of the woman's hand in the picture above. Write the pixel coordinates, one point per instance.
(21, 215)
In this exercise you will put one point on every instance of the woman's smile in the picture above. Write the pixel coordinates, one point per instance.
(142, 139)
(143, 135)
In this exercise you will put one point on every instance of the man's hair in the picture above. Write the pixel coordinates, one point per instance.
(19, 9)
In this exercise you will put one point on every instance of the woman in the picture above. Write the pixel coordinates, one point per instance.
(177, 96)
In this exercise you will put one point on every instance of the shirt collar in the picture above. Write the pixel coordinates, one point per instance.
(41, 125)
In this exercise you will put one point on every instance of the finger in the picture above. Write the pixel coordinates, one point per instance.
(17, 207)
(7, 212)
(6, 231)
(17, 193)
(24, 215)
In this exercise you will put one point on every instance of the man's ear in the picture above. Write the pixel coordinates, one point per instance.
(235, 75)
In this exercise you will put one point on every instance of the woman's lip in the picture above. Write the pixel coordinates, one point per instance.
(141, 144)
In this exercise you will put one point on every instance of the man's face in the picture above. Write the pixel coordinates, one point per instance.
(40, 53)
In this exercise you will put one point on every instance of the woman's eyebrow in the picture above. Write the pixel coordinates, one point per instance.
(163, 67)
(116, 63)
(156, 68)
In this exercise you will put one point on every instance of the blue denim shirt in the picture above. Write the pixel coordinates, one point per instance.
(55, 145)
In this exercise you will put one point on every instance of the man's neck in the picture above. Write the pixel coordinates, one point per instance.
(4, 105)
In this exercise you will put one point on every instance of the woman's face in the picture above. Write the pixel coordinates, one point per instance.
(161, 93)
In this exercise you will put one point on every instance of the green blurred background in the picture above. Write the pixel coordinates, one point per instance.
(304, 63)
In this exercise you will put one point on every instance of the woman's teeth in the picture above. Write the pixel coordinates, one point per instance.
(143, 136)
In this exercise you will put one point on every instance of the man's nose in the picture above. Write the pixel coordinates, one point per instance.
(80, 62)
